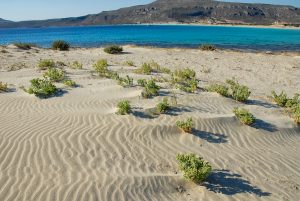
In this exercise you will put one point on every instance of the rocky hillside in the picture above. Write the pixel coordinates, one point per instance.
(2, 21)
(182, 11)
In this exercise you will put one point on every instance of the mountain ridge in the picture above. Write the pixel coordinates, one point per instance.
(180, 11)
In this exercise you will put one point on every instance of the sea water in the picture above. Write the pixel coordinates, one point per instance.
(273, 39)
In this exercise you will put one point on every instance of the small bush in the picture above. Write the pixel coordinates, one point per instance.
(4, 51)
(183, 75)
(244, 116)
(146, 69)
(46, 64)
(24, 46)
(280, 99)
(101, 67)
(113, 49)
(293, 101)
(124, 108)
(60, 45)
(296, 113)
(238, 92)
(151, 89)
(185, 80)
(208, 47)
(129, 63)
(155, 66)
(220, 89)
(125, 82)
(3, 87)
(113, 75)
(163, 106)
(194, 168)
(76, 65)
(142, 82)
(186, 126)
(42, 88)
(70, 83)
(55, 75)
(189, 86)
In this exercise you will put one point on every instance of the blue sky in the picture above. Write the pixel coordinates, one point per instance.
(45, 9)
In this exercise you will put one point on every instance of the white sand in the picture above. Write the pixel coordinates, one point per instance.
(74, 147)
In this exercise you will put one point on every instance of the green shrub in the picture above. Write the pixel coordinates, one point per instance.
(42, 88)
(101, 67)
(113, 75)
(296, 113)
(124, 108)
(70, 83)
(194, 168)
(207, 47)
(293, 101)
(3, 87)
(155, 66)
(163, 106)
(142, 82)
(150, 90)
(24, 46)
(129, 63)
(125, 82)
(4, 51)
(238, 92)
(220, 89)
(189, 86)
(55, 75)
(146, 69)
(113, 49)
(46, 64)
(60, 45)
(183, 75)
(76, 65)
(185, 80)
(280, 99)
(186, 126)
(244, 116)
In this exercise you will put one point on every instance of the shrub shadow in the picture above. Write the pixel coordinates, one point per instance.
(175, 111)
(210, 137)
(228, 183)
(10, 90)
(261, 124)
(143, 115)
(261, 103)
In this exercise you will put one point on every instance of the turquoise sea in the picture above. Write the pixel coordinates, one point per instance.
(160, 35)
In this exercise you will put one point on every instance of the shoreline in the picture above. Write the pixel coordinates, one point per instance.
(173, 24)
(225, 25)
(218, 48)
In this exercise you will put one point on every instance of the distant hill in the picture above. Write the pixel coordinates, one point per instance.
(181, 11)
(4, 21)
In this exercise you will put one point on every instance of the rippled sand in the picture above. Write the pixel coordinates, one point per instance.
(74, 147)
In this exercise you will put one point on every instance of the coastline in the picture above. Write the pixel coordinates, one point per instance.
(223, 25)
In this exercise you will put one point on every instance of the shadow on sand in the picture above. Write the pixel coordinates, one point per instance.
(228, 183)
(261, 124)
(261, 103)
(210, 137)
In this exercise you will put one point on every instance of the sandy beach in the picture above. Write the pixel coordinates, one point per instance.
(74, 147)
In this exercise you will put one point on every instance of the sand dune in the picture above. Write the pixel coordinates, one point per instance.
(74, 147)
